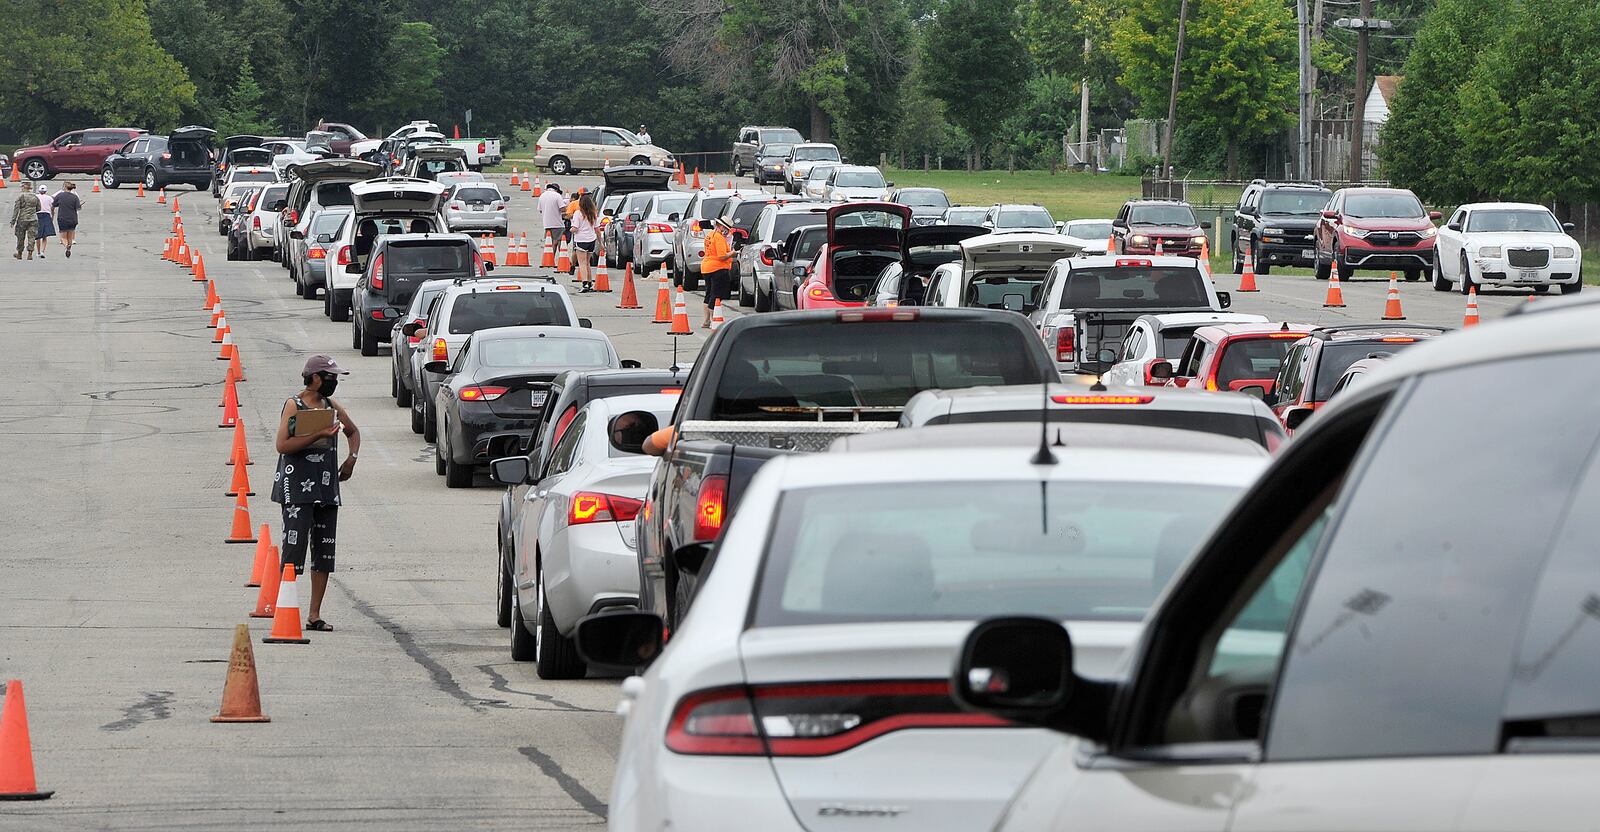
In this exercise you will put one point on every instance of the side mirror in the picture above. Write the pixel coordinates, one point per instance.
(324, 238)
(1257, 390)
(488, 267)
(637, 428)
(889, 185)
(1107, 355)
(297, 234)
(438, 368)
(691, 558)
(585, 323)
(633, 217)
(1205, 223)
(1435, 215)
(410, 329)
(1161, 370)
(1119, 224)
(1016, 302)
(1454, 226)
(609, 212)
(1061, 228)
(1294, 417)
(1250, 211)
(799, 272)
(352, 268)
(1016, 668)
(511, 470)
(1330, 215)
(1566, 225)
(674, 217)
(620, 639)
(1224, 299)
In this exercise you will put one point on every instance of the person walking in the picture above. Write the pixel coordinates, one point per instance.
(308, 477)
(47, 226)
(66, 204)
(584, 237)
(716, 266)
(550, 204)
(25, 220)
(644, 135)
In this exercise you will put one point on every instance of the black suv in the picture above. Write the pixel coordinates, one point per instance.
(182, 158)
(1277, 221)
(398, 264)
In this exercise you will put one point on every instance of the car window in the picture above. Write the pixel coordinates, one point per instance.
(1294, 202)
(481, 310)
(1383, 205)
(1097, 231)
(1130, 346)
(611, 139)
(1337, 357)
(1130, 287)
(1409, 637)
(710, 207)
(328, 222)
(582, 136)
(1250, 358)
(566, 450)
(559, 134)
(1025, 218)
(1173, 341)
(477, 194)
(1290, 378)
(461, 357)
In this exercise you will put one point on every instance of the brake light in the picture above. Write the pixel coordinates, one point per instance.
(766, 256)
(499, 206)
(256, 221)
(344, 257)
(819, 292)
(456, 206)
(166, 156)
(657, 228)
(223, 166)
(1062, 398)
(672, 390)
(594, 507)
(1398, 340)
(441, 350)
(1289, 336)
(418, 337)
(1066, 343)
(883, 314)
(536, 147)
(293, 216)
(481, 147)
(316, 253)
(511, 286)
(481, 394)
(377, 272)
(1122, 263)
(811, 720)
(709, 507)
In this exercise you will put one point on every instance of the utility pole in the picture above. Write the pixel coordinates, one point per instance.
(1363, 26)
(1083, 111)
(1172, 99)
(1304, 155)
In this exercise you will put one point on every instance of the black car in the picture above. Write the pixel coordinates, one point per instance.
(927, 204)
(403, 347)
(239, 150)
(493, 395)
(1276, 220)
(795, 252)
(234, 210)
(569, 393)
(182, 158)
(398, 264)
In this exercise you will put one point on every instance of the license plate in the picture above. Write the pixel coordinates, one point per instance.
(479, 207)
(1528, 274)
(1308, 253)
(537, 398)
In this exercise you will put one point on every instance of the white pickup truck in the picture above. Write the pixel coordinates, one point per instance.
(481, 152)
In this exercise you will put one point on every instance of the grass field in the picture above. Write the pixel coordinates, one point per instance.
(1066, 195)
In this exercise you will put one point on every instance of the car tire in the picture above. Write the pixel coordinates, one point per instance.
(738, 168)
(555, 655)
(230, 253)
(402, 398)
(35, 169)
(1345, 272)
(502, 586)
(327, 305)
(369, 348)
(638, 160)
(150, 181)
(745, 298)
(1323, 270)
(299, 288)
(1413, 275)
(763, 299)
(1440, 282)
(457, 475)
(560, 166)
(691, 281)
(341, 311)
(1238, 257)
(418, 421)
(1263, 269)
(522, 644)
(108, 178)
(1572, 288)
(438, 457)
(1466, 276)
(430, 424)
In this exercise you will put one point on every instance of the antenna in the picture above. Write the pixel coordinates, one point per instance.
(674, 366)
(1044, 456)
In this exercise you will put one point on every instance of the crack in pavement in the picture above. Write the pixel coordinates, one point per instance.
(440, 675)
(155, 705)
(503, 685)
(569, 784)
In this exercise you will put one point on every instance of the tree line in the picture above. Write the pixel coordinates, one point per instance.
(965, 82)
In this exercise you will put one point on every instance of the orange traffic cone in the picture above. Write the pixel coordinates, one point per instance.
(199, 267)
(516, 255)
(174, 205)
(1335, 297)
(630, 296)
(235, 369)
(696, 179)
(564, 258)
(267, 598)
(680, 177)
(527, 184)
(547, 260)
(515, 179)
(230, 407)
(241, 696)
(241, 522)
(663, 301)
(263, 560)
(161, 199)
(16, 752)
(487, 248)
(14, 177)
(167, 248)
(1160, 247)
(240, 449)
(241, 481)
(602, 278)
(183, 253)
(680, 316)
(212, 298)
(1247, 281)
(94, 190)
(227, 344)
(286, 613)
(1471, 318)
(1391, 306)
(140, 194)
(222, 327)
(216, 315)
(716, 316)
(538, 187)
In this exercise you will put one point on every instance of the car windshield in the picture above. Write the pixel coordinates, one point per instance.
(816, 154)
(477, 195)
(1251, 359)
(482, 310)
(1537, 222)
(1295, 202)
(1099, 551)
(774, 151)
(791, 370)
(1336, 358)
(630, 136)
(543, 350)
(1179, 215)
(1383, 206)
(924, 199)
(819, 173)
(859, 179)
(784, 135)
(668, 205)
(1099, 231)
(711, 206)
(1133, 287)
(966, 216)
(1024, 218)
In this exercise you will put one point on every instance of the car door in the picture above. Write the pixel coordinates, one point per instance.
(1450, 243)
(538, 506)
(613, 148)
(127, 161)
(586, 148)
(1325, 225)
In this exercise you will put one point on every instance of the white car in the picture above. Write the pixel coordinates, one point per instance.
(262, 224)
(1513, 244)
(807, 688)
(573, 551)
(797, 165)
(814, 185)
(1006, 218)
(998, 271)
(1162, 337)
(855, 183)
(1093, 235)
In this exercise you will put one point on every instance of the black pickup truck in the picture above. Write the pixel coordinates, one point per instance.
(792, 382)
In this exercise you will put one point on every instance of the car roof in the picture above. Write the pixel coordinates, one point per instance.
(1157, 201)
(524, 284)
(572, 333)
(1300, 186)
(1369, 332)
(1206, 320)
(620, 378)
(1027, 397)
(817, 144)
(408, 237)
(1520, 206)
(857, 168)
(1369, 189)
(800, 207)
(1268, 329)
(1026, 434)
(1014, 206)
(1100, 261)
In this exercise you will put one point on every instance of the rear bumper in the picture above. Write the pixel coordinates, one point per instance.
(601, 569)
(487, 220)
(481, 436)
(703, 793)
(199, 179)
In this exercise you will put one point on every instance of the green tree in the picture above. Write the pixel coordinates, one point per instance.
(412, 65)
(244, 112)
(975, 65)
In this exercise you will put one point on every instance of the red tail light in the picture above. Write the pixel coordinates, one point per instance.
(315, 253)
(887, 313)
(344, 258)
(710, 507)
(223, 166)
(456, 206)
(657, 228)
(1066, 343)
(594, 507)
(482, 147)
(441, 350)
(418, 337)
(1061, 398)
(166, 156)
(766, 256)
(811, 720)
(377, 272)
(817, 291)
(256, 221)
(481, 394)
(1136, 263)
(535, 147)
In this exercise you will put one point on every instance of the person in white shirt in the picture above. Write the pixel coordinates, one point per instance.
(645, 135)
(551, 203)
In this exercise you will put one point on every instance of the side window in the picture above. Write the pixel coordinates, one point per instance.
(1189, 365)
(1287, 387)
(461, 357)
(1130, 347)
(1459, 218)
(585, 136)
(611, 139)
(560, 135)
(1409, 636)
(566, 449)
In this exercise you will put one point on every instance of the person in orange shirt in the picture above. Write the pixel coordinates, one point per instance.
(717, 265)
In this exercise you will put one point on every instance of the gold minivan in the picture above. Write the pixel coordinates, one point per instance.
(564, 150)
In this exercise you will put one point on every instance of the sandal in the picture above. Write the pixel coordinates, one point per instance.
(319, 625)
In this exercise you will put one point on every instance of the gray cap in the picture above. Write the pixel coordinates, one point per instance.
(322, 364)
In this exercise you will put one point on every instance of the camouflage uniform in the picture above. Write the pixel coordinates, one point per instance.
(25, 219)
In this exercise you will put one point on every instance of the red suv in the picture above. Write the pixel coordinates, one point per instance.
(1145, 225)
(1380, 229)
(1315, 363)
(863, 239)
(81, 151)
(1233, 357)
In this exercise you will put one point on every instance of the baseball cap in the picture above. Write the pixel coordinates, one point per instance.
(322, 364)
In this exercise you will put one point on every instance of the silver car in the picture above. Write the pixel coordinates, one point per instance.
(815, 183)
(618, 233)
(322, 242)
(802, 156)
(688, 243)
(652, 234)
(758, 257)
(477, 206)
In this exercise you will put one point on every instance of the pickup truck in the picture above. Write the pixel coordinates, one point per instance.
(750, 141)
(1087, 304)
(792, 382)
(481, 152)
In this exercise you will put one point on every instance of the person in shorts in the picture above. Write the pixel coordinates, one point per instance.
(716, 267)
(308, 477)
(585, 235)
(66, 204)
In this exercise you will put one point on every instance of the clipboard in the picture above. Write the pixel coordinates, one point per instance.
(308, 422)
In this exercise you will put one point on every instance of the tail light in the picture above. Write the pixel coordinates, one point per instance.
(766, 256)
(1063, 398)
(418, 337)
(886, 313)
(377, 272)
(536, 147)
(166, 156)
(594, 507)
(811, 720)
(1066, 343)
(441, 350)
(315, 253)
(657, 228)
(223, 166)
(817, 291)
(482, 148)
(256, 221)
(480, 393)
(456, 206)
(499, 206)
(710, 507)
(344, 257)
(627, 225)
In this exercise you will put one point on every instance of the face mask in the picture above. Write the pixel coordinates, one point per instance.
(329, 384)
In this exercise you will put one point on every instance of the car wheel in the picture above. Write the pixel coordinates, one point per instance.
(1345, 272)
(35, 169)
(1238, 257)
(327, 305)
(1322, 269)
(745, 298)
(556, 655)
(638, 160)
(691, 281)
(231, 253)
(108, 178)
(522, 647)
(559, 166)
(355, 343)
(738, 167)
(456, 475)
(438, 457)
(502, 587)
(430, 424)
(1466, 277)
(763, 299)
(1440, 283)
(416, 411)
(1572, 288)
(299, 288)
(1263, 269)
(149, 179)
(402, 398)
(341, 312)
(1413, 275)
(369, 347)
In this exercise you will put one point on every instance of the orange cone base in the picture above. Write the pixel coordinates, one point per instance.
(247, 494)
(255, 614)
(241, 539)
(26, 795)
(271, 640)
(241, 719)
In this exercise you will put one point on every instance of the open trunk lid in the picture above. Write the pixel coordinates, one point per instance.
(398, 195)
(627, 179)
(867, 224)
(243, 140)
(192, 133)
(925, 247)
(327, 170)
(1015, 252)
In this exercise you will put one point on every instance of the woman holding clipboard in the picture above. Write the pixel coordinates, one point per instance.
(309, 473)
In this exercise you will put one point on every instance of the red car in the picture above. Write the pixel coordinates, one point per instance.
(81, 151)
(1158, 226)
(1314, 364)
(1233, 356)
(1379, 229)
(863, 238)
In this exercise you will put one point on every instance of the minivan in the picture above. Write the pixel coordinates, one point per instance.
(564, 150)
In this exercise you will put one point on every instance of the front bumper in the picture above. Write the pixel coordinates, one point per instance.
(1286, 250)
(1498, 271)
(1358, 255)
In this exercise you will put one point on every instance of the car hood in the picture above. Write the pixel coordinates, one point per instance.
(1287, 220)
(349, 170)
(1165, 230)
(1519, 238)
(1388, 223)
(412, 196)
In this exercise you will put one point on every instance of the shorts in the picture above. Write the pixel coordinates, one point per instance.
(719, 285)
(588, 246)
(67, 225)
(309, 526)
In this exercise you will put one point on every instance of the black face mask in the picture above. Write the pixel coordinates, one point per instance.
(330, 383)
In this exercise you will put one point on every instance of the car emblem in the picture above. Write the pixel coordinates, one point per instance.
(398, 194)
(1393, 236)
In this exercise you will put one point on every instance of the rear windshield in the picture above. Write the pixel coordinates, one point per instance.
(712, 206)
(1089, 230)
(744, 215)
(816, 154)
(1253, 359)
(536, 351)
(434, 259)
(477, 195)
(334, 193)
(329, 222)
(1259, 430)
(991, 291)
(965, 216)
(1174, 339)
(1336, 358)
(1024, 218)
(785, 136)
(790, 371)
(808, 244)
(482, 310)
(957, 551)
(668, 205)
(1133, 287)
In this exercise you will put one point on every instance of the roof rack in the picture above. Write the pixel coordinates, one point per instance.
(1325, 331)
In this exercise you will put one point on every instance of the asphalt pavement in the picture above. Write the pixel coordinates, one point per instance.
(118, 596)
